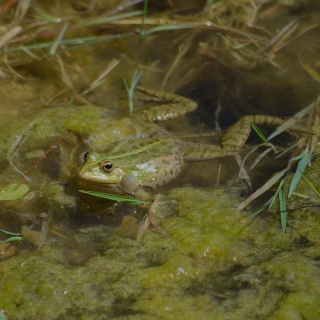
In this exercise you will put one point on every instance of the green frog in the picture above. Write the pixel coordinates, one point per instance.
(152, 156)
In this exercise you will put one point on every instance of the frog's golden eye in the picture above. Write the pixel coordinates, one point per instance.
(107, 166)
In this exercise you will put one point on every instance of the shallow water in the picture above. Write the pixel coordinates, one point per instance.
(82, 260)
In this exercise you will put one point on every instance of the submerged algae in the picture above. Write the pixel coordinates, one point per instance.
(213, 263)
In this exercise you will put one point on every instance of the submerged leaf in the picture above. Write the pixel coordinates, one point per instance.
(312, 72)
(18, 238)
(11, 236)
(114, 197)
(8, 233)
(12, 192)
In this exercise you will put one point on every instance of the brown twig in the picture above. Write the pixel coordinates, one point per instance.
(26, 176)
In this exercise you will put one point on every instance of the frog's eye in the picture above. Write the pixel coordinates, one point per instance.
(107, 166)
(85, 156)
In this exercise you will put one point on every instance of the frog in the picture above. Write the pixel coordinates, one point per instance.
(142, 163)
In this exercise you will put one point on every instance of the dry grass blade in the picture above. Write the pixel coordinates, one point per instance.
(283, 33)
(22, 8)
(299, 34)
(56, 44)
(280, 44)
(111, 65)
(9, 36)
(293, 120)
(260, 157)
(312, 73)
(67, 81)
(263, 189)
(312, 187)
(76, 42)
(183, 48)
(29, 53)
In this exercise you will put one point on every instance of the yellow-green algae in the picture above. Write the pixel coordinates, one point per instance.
(214, 264)
(29, 136)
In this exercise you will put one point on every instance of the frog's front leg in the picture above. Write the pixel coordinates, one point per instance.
(175, 106)
(129, 184)
(151, 218)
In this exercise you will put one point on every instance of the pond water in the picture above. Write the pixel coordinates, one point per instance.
(63, 94)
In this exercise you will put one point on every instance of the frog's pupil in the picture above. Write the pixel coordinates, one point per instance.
(108, 166)
(85, 156)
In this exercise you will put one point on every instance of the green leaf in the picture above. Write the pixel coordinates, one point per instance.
(258, 132)
(10, 233)
(283, 207)
(312, 187)
(130, 89)
(298, 174)
(268, 203)
(300, 156)
(167, 28)
(12, 193)
(11, 239)
(56, 44)
(145, 6)
(114, 197)
(12, 236)
(3, 316)
(115, 17)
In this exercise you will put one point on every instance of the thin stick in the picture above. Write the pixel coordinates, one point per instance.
(218, 177)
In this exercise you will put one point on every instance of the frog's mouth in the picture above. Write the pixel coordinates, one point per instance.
(95, 175)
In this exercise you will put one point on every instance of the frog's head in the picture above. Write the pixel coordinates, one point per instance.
(98, 168)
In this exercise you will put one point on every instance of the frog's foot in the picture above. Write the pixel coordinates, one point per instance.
(151, 218)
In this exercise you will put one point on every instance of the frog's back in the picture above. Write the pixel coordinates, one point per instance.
(154, 162)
